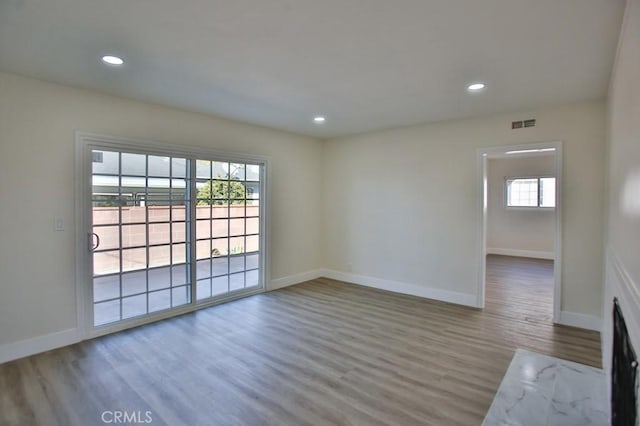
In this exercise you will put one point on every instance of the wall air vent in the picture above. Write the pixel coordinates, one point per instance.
(523, 123)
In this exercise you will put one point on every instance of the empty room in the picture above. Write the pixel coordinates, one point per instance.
(326, 213)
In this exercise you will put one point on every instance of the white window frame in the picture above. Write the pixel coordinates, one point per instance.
(538, 207)
(85, 142)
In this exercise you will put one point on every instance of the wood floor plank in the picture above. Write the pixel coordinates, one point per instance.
(321, 352)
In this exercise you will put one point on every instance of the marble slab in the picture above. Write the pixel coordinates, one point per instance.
(546, 391)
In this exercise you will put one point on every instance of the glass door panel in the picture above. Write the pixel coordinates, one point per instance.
(227, 228)
(140, 208)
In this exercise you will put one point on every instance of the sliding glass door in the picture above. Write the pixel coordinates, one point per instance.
(169, 232)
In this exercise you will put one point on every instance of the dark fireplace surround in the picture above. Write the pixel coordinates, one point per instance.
(624, 389)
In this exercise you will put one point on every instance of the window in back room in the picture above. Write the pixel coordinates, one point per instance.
(536, 192)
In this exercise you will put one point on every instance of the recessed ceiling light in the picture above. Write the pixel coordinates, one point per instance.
(475, 87)
(319, 119)
(112, 60)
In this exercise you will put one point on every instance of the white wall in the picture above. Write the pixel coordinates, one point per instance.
(401, 205)
(37, 123)
(623, 214)
(517, 230)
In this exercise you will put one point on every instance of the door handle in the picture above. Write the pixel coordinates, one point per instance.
(93, 246)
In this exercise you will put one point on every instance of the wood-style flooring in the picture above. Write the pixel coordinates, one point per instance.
(321, 352)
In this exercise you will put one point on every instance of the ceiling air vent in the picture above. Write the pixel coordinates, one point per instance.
(530, 123)
(516, 125)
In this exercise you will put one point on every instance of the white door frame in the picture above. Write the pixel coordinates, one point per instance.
(483, 154)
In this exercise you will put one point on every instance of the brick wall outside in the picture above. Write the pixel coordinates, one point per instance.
(220, 230)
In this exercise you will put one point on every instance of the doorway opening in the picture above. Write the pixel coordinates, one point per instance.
(520, 230)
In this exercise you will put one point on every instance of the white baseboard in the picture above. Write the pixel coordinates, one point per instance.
(535, 254)
(294, 279)
(405, 288)
(575, 319)
(23, 348)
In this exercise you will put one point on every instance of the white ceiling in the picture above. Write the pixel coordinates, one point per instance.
(365, 64)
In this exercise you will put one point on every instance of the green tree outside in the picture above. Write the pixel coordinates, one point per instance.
(219, 192)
